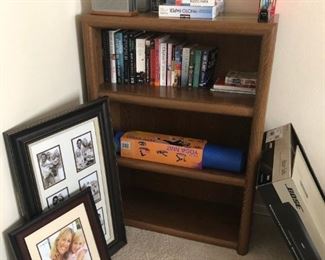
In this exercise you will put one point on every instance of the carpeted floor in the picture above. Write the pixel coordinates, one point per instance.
(266, 243)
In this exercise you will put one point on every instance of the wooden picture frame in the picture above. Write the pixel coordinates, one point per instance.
(72, 228)
(53, 158)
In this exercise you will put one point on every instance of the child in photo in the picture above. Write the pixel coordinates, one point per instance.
(78, 248)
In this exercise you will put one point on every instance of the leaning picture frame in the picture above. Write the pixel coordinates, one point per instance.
(52, 158)
(70, 231)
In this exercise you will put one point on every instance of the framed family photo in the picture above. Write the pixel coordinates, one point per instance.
(70, 231)
(58, 156)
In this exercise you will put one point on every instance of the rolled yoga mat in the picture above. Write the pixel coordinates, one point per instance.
(214, 156)
(223, 158)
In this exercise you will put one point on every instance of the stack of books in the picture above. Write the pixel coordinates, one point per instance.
(193, 9)
(158, 59)
(237, 82)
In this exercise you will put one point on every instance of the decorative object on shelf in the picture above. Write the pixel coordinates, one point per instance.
(178, 151)
(72, 229)
(266, 10)
(155, 5)
(114, 7)
(55, 157)
(143, 6)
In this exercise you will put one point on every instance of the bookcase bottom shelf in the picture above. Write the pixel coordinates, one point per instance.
(179, 216)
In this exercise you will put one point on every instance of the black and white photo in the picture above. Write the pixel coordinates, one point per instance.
(57, 197)
(51, 166)
(83, 151)
(101, 219)
(91, 181)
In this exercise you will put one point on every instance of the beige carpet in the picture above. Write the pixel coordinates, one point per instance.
(266, 243)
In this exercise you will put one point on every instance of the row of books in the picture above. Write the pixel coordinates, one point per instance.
(237, 82)
(139, 57)
(192, 9)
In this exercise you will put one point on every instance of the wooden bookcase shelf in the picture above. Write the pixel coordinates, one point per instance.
(205, 205)
(205, 175)
(197, 100)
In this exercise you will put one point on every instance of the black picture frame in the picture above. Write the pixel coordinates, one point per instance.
(25, 144)
(76, 217)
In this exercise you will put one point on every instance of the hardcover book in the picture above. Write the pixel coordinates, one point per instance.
(197, 67)
(106, 55)
(112, 55)
(193, 12)
(209, 56)
(132, 50)
(126, 55)
(158, 41)
(191, 68)
(178, 65)
(140, 46)
(119, 57)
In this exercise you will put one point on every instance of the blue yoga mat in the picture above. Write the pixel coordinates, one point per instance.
(117, 140)
(223, 158)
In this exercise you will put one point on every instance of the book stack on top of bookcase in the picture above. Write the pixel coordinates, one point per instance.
(158, 59)
(191, 9)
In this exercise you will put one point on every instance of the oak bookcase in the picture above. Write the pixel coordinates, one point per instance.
(206, 205)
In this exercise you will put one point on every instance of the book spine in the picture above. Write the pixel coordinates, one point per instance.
(178, 66)
(106, 55)
(196, 12)
(152, 62)
(132, 52)
(191, 68)
(148, 64)
(212, 61)
(140, 59)
(185, 66)
(163, 63)
(112, 56)
(157, 62)
(126, 57)
(197, 67)
(173, 69)
(169, 63)
(204, 67)
(119, 57)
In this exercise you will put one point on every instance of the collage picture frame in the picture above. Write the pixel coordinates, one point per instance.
(54, 158)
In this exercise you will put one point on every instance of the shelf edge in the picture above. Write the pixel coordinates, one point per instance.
(204, 175)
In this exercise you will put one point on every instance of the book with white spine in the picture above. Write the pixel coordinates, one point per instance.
(163, 63)
(140, 58)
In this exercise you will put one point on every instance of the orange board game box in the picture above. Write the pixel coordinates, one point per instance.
(167, 149)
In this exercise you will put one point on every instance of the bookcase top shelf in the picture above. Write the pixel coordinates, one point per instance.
(189, 99)
(227, 23)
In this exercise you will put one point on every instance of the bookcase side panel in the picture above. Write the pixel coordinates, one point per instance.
(256, 137)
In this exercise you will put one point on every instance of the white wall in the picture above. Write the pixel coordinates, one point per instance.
(297, 91)
(40, 71)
